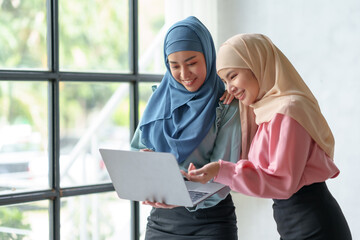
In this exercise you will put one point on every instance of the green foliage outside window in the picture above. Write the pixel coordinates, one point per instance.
(94, 35)
(12, 218)
(23, 34)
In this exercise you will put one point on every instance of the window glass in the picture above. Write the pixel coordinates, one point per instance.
(25, 221)
(152, 31)
(95, 216)
(23, 34)
(94, 35)
(145, 92)
(92, 115)
(24, 136)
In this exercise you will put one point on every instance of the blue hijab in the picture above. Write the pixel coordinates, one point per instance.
(176, 120)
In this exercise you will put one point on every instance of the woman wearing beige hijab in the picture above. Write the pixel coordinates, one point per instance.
(287, 145)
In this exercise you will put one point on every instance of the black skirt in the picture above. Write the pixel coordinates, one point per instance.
(311, 213)
(214, 223)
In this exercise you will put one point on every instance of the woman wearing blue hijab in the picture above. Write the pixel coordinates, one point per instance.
(184, 116)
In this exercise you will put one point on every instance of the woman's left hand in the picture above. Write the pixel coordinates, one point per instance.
(159, 205)
(227, 97)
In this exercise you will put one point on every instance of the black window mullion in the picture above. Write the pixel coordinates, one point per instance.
(133, 58)
(54, 211)
(133, 36)
(54, 125)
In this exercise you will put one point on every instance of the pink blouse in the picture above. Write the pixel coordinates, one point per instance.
(282, 158)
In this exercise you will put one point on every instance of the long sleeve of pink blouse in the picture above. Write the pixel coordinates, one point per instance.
(282, 158)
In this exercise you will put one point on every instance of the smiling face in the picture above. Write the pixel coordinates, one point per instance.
(241, 83)
(188, 68)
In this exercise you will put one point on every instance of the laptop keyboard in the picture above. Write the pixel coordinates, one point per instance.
(194, 195)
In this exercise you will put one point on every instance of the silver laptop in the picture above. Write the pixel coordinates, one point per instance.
(153, 176)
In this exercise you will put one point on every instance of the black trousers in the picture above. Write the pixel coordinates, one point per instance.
(214, 223)
(311, 213)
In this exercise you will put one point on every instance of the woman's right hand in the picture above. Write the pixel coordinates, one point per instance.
(204, 174)
(227, 97)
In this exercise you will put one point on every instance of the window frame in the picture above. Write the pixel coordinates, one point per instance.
(54, 77)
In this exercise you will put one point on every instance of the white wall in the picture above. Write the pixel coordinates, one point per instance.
(322, 40)
(176, 10)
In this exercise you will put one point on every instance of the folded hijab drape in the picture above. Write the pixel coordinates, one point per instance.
(176, 120)
(282, 90)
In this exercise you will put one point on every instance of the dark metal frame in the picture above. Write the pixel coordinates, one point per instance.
(54, 76)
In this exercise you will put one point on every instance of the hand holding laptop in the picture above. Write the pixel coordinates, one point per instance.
(159, 205)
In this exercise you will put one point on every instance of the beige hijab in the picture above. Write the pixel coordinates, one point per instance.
(282, 90)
